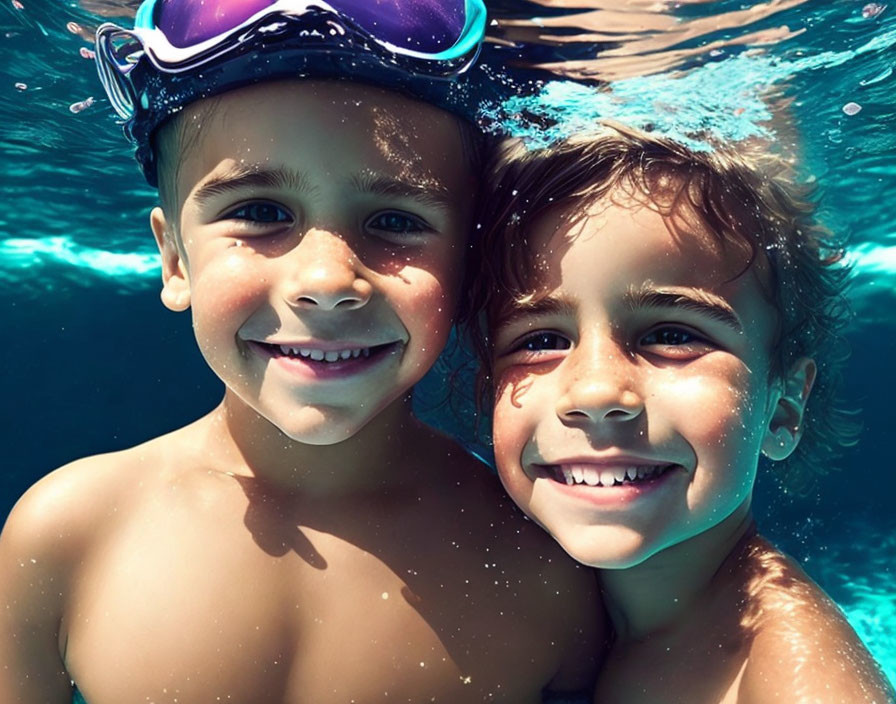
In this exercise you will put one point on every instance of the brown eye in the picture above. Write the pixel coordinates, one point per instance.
(676, 342)
(264, 213)
(543, 341)
(671, 337)
(397, 222)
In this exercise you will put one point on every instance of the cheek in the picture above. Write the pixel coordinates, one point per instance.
(224, 290)
(515, 420)
(425, 300)
(719, 412)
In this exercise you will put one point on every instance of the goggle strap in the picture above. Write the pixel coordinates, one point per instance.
(145, 15)
(474, 26)
(109, 75)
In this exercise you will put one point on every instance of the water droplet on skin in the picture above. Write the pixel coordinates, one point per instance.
(852, 109)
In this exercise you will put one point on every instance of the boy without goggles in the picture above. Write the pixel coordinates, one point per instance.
(656, 320)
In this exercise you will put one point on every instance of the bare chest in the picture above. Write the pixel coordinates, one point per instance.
(263, 614)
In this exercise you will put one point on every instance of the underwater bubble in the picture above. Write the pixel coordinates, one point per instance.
(852, 109)
(81, 105)
(21, 86)
(86, 53)
(79, 30)
(872, 9)
(16, 4)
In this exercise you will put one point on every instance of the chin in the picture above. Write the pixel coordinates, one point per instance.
(606, 548)
(313, 426)
(327, 434)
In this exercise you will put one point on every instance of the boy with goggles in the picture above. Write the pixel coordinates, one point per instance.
(309, 540)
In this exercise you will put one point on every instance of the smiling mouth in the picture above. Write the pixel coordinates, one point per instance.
(593, 475)
(313, 354)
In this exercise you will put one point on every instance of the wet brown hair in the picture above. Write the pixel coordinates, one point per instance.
(745, 196)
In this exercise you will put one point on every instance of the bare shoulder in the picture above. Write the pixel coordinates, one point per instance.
(48, 534)
(57, 512)
(558, 595)
(58, 518)
(803, 649)
(480, 501)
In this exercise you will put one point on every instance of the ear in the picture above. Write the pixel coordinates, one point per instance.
(175, 277)
(784, 429)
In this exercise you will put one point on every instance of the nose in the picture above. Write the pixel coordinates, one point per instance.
(324, 273)
(601, 391)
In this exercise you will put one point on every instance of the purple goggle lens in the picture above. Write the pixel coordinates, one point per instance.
(428, 26)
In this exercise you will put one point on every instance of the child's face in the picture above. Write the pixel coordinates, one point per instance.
(633, 399)
(328, 219)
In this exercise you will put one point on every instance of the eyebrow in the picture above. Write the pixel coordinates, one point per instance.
(248, 176)
(690, 299)
(549, 305)
(434, 196)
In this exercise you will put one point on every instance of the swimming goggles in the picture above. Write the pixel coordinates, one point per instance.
(183, 50)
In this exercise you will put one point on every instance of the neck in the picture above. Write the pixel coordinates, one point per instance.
(664, 589)
(237, 440)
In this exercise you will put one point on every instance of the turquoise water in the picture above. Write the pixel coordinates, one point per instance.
(94, 363)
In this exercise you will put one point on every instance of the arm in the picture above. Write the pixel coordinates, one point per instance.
(32, 583)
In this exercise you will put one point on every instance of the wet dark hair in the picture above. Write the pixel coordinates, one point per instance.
(747, 197)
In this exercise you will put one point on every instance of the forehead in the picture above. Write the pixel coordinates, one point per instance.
(621, 236)
(604, 248)
(325, 130)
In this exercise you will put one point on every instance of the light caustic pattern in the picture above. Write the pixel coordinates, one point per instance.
(860, 577)
(687, 106)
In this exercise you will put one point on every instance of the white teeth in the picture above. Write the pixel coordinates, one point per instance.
(322, 356)
(608, 476)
